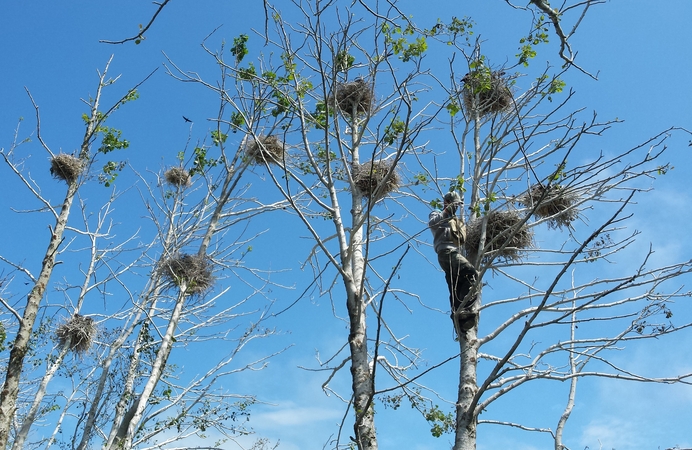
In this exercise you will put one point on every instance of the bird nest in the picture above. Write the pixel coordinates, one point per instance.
(554, 203)
(486, 91)
(501, 230)
(79, 331)
(354, 96)
(372, 181)
(66, 167)
(178, 177)
(267, 149)
(194, 272)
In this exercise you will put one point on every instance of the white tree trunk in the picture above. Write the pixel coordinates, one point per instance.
(361, 375)
(466, 420)
(130, 423)
(20, 346)
(23, 432)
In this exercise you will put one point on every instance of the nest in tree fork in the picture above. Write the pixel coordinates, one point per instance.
(554, 203)
(178, 177)
(370, 179)
(486, 91)
(66, 167)
(192, 271)
(354, 96)
(79, 331)
(267, 149)
(501, 227)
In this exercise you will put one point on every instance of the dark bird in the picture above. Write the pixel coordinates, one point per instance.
(186, 119)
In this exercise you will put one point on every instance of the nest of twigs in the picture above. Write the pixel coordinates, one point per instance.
(501, 227)
(356, 95)
(554, 203)
(194, 272)
(370, 179)
(79, 331)
(486, 91)
(66, 167)
(267, 149)
(178, 177)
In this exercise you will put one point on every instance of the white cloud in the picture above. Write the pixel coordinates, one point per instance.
(290, 415)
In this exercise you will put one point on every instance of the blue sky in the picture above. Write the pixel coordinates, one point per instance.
(641, 51)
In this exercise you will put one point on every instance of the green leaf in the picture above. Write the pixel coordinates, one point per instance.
(239, 49)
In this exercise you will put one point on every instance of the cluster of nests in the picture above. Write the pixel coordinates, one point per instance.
(192, 271)
(503, 229)
(372, 180)
(267, 150)
(66, 167)
(486, 91)
(554, 203)
(353, 97)
(79, 331)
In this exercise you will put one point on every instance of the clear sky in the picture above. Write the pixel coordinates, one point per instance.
(641, 51)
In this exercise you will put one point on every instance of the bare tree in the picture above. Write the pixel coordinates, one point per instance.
(332, 144)
(126, 389)
(68, 168)
(339, 123)
(345, 121)
(516, 165)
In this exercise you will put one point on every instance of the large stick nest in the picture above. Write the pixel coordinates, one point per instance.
(370, 179)
(556, 205)
(502, 225)
(178, 177)
(267, 149)
(486, 91)
(356, 95)
(79, 330)
(66, 167)
(192, 271)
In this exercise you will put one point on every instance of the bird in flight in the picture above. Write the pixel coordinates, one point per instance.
(186, 119)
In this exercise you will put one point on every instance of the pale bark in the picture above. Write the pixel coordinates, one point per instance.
(128, 426)
(466, 417)
(23, 432)
(572, 386)
(20, 346)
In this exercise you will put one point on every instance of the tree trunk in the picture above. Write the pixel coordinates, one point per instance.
(130, 423)
(466, 419)
(18, 443)
(361, 374)
(20, 346)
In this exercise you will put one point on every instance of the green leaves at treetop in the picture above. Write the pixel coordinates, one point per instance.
(321, 115)
(555, 86)
(559, 172)
(480, 79)
(237, 120)
(457, 184)
(239, 49)
(538, 35)
(396, 38)
(201, 163)
(248, 73)
(110, 172)
(218, 137)
(392, 131)
(112, 140)
(343, 61)
(453, 106)
(455, 29)
(440, 422)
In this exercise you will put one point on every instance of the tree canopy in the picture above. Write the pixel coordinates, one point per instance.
(227, 244)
